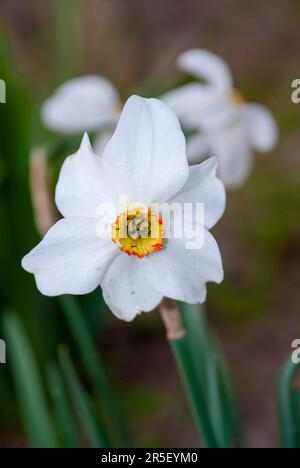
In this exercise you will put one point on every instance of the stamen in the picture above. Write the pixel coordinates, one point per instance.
(138, 233)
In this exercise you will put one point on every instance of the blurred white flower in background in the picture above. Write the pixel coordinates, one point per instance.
(146, 161)
(87, 103)
(226, 126)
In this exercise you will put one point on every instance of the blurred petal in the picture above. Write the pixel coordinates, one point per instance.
(262, 127)
(82, 184)
(219, 116)
(203, 186)
(234, 153)
(197, 147)
(207, 66)
(182, 274)
(146, 157)
(199, 106)
(191, 101)
(81, 104)
(126, 289)
(70, 259)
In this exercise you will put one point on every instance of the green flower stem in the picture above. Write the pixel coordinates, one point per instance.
(180, 347)
(194, 322)
(213, 375)
(95, 369)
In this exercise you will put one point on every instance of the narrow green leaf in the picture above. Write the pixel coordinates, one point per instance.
(96, 312)
(65, 421)
(95, 435)
(30, 393)
(95, 369)
(288, 406)
(215, 402)
(232, 419)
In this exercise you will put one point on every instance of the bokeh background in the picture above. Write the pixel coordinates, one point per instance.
(255, 313)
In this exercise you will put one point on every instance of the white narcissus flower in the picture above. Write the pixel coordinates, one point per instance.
(146, 161)
(226, 125)
(82, 104)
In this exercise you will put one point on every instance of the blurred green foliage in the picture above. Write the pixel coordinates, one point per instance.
(271, 203)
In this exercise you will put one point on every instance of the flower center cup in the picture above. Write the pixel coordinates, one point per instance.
(237, 98)
(138, 232)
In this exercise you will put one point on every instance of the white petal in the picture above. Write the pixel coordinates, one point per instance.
(182, 274)
(101, 141)
(207, 66)
(82, 184)
(190, 102)
(234, 153)
(81, 104)
(70, 259)
(219, 116)
(202, 107)
(204, 187)
(146, 156)
(262, 127)
(198, 146)
(126, 289)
